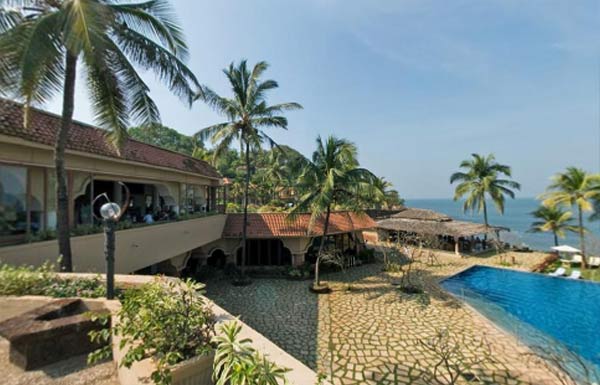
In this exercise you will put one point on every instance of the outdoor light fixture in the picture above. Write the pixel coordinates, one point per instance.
(111, 213)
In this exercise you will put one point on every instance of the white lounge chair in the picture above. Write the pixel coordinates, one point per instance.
(594, 261)
(575, 274)
(558, 272)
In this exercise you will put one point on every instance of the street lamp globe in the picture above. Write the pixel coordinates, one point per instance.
(110, 211)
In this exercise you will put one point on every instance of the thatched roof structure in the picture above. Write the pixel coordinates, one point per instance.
(421, 214)
(429, 222)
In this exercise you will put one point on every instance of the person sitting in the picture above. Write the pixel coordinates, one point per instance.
(148, 219)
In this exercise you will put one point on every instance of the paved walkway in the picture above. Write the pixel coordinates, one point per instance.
(373, 333)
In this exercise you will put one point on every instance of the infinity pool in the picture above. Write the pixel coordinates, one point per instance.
(535, 306)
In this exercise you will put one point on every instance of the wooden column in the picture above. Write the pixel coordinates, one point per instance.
(456, 246)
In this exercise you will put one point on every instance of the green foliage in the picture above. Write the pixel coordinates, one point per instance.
(165, 320)
(552, 219)
(165, 137)
(366, 255)
(100, 337)
(574, 188)
(29, 280)
(237, 363)
(481, 178)
(111, 39)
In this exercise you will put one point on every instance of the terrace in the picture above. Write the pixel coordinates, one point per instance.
(369, 332)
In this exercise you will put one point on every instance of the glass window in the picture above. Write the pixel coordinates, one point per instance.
(50, 199)
(13, 206)
(36, 199)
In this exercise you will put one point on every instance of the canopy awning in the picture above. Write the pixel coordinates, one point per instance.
(566, 249)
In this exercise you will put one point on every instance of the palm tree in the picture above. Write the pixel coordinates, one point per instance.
(333, 178)
(480, 179)
(247, 113)
(553, 219)
(574, 187)
(42, 43)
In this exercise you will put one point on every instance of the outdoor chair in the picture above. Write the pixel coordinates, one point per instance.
(558, 272)
(575, 274)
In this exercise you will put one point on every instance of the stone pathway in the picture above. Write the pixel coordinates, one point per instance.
(371, 333)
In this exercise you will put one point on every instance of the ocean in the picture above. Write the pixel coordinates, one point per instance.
(516, 217)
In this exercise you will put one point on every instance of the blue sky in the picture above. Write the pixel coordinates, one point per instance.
(417, 85)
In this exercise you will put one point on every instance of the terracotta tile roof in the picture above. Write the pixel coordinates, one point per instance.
(269, 225)
(93, 140)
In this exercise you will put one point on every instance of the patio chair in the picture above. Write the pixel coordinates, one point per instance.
(558, 272)
(594, 261)
(575, 274)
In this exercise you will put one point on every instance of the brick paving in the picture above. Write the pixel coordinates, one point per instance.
(368, 332)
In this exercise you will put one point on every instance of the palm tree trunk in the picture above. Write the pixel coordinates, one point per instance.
(322, 245)
(62, 195)
(245, 226)
(485, 218)
(581, 238)
(555, 238)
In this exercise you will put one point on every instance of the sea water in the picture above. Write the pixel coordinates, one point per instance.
(517, 217)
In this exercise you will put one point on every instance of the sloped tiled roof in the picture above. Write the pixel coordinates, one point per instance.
(269, 225)
(86, 138)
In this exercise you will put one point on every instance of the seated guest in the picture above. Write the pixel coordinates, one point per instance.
(148, 218)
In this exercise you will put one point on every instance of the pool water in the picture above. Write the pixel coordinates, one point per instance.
(533, 305)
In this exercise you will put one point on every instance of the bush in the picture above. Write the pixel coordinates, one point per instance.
(29, 280)
(366, 255)
(299, 272)
(237, 363)
(167, 321)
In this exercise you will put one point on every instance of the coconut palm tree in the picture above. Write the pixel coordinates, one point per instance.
(332, 178)
(247, 114)
(574, 187)
(553, 219)
(481, 179)
(43, 43)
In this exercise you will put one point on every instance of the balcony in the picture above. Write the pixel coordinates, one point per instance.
(136, 248)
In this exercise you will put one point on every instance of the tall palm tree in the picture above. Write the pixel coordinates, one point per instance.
(553, 219)
(247, 114)
(574, 187)
(333, 178)
(481, 179)
(42, 43)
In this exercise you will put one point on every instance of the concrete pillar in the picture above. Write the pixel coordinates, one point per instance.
(298, 259)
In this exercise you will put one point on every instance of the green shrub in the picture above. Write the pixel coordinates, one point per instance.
(366, 255)
(237, 363)
(43, 280)
(166, 320)
(25, 280)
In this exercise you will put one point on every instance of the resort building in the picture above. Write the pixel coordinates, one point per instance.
(439, 230)
(185, 198)
(162, 183)
(276, 239)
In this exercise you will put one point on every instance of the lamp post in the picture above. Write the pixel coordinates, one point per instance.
(110, 213)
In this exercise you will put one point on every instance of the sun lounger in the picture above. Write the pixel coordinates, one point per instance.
(594, 262)
(575, 274)
(559, 272)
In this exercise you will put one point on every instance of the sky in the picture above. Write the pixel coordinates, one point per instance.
(417, 85)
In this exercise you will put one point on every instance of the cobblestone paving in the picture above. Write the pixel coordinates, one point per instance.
(372, 333)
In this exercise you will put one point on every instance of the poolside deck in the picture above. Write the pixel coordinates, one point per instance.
(371, 334)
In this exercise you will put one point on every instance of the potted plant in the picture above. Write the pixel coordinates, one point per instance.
(237, 363)
(163, 332)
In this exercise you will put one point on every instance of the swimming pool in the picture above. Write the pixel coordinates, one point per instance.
(535, 306)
